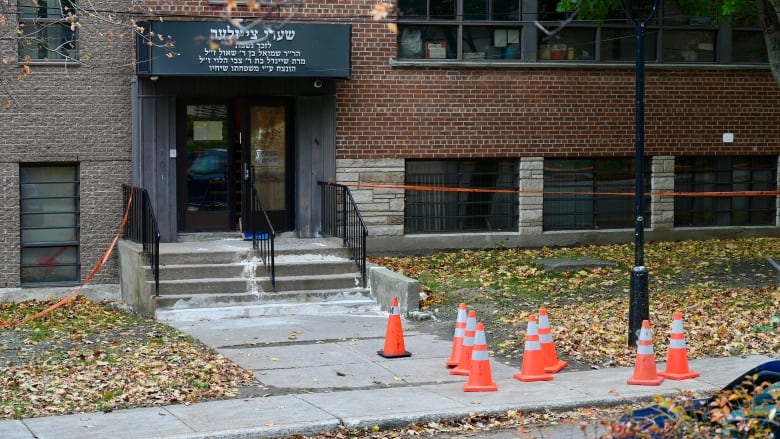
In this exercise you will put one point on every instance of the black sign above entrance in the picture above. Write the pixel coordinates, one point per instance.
(216, 48)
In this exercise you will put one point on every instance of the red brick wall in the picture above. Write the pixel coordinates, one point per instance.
(418, 112)
(312, 10)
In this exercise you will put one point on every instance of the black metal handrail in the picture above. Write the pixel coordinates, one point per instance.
(341, 218)
(142, 228)
(259, 227)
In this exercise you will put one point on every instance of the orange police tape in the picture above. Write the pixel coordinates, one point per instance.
(95, 270)
(517, 191)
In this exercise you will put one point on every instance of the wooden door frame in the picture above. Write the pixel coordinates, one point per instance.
(290, 151)
(181, 162)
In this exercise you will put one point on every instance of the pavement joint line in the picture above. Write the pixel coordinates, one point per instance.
(342, 423)
(173, 415)
(295, 343)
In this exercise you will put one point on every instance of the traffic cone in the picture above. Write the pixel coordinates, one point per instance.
(464, 363)
(480, 377)
(677, 357)
(394, 336)
(533, 365)
(549, 357)
(457, 339)
(644, 371)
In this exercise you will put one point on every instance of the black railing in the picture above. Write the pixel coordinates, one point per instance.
(142, 228)
(341, 218)
(259, 229)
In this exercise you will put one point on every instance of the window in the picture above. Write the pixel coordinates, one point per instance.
(444, 211)
(724, 174)
(672, 36)
(619, 44)
(607, 200)
(570, 44)
(459, 29)
(747, 43)
(493, 31)
(748, 47)
(48, 30)
(49, 224)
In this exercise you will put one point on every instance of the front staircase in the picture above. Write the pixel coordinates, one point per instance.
(224, 278)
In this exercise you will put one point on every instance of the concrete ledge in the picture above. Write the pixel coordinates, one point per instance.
(386, 284)
(96, 293)
(136, 293)
(432, 243)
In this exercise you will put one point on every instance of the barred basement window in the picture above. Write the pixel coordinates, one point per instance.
(607, 188)
(444, 211)
(49, 224)
(724, 174)
(48, 31)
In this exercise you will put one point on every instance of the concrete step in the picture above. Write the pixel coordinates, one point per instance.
(237, 285)
(313, 282)
(227, 273)
(283, 266)
(341, 295)
(206, 300)
(202, 271)
(190, 287)
(309, 302)
(183, 301)
(316, 255)
(235, 252)
(212, 257)
(248, 310)
(324, 267)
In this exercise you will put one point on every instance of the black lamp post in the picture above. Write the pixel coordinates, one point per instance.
(639, 307)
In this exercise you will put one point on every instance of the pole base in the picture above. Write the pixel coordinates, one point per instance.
(639, 306)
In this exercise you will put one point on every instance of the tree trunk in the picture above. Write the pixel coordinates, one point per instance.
(769, 14)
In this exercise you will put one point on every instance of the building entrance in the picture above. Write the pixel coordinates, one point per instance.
(226, 148)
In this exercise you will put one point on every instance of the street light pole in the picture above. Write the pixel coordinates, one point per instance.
(639, 307)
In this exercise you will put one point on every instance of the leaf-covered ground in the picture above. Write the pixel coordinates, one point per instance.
(724, 288)
(85, 356)
(88, 356)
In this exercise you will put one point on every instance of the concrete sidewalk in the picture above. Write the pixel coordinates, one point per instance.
(324, 372)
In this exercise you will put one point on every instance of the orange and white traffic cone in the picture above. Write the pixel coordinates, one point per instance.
(677, 356)
(457, 339)
(480, 377)
(464, 363)
(533, 365)
(549, 356)
(394, 336)
(645, 373)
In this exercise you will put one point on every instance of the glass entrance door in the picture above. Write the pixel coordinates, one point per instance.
(269, 159)
(204, 189)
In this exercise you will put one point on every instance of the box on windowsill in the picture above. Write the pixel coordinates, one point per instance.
(436, 49)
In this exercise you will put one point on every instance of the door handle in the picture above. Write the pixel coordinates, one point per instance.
(246, 171)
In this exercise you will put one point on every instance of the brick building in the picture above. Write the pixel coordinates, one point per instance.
(65, 144)
(469, 96)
